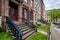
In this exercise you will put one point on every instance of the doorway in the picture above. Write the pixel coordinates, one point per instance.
(13, 11)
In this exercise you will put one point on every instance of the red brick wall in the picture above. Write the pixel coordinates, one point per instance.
(5, 9)
(30, 8)
(0, 7)
(42, 10)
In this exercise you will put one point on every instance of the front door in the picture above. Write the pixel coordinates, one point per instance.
(13, 11)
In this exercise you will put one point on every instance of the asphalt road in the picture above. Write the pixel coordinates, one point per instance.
(55, 32)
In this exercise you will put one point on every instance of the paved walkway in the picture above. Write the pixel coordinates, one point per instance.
(42, 32)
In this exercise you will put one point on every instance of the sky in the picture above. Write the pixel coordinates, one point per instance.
(52, 4)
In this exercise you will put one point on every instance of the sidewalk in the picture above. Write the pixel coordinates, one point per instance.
(42, 32)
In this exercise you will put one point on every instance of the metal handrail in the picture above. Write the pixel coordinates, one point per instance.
(30, 24)
(13, 26)
(48, 37)
(27, 21)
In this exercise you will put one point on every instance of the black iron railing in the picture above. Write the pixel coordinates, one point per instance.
(14, 29)
(30, 24)
(48, 37)
(27, 21)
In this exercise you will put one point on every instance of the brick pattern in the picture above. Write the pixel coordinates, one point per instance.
(20, 7)
(42, 10)
(0, 7)
(30, 8)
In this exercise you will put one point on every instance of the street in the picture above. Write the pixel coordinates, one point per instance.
(55, 32)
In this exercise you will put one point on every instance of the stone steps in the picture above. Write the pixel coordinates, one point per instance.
(27, 35)
(25, 29)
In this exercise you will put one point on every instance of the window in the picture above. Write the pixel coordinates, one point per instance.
(25, 14)
(31, 15)
(25, 1)
(31, 2)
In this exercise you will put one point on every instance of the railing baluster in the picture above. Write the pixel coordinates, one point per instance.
(21, 37)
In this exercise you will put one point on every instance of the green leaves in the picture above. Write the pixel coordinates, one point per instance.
(54, 14)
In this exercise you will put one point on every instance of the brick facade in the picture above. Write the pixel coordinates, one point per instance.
(38, 11)
(30, 8)
(21, 4)
(42, 10)
(0, 7)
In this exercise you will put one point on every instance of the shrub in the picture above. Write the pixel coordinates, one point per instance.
(42, 27)
(38, 24)
(35, 26)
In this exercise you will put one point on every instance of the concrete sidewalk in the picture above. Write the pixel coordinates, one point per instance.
(42, 32)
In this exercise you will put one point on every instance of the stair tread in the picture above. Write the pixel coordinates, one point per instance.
(23, 27)
(28, 34)
(14, 29)
(13, 37)
(27, 31)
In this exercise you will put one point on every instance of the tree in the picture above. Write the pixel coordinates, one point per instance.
(54, 14)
